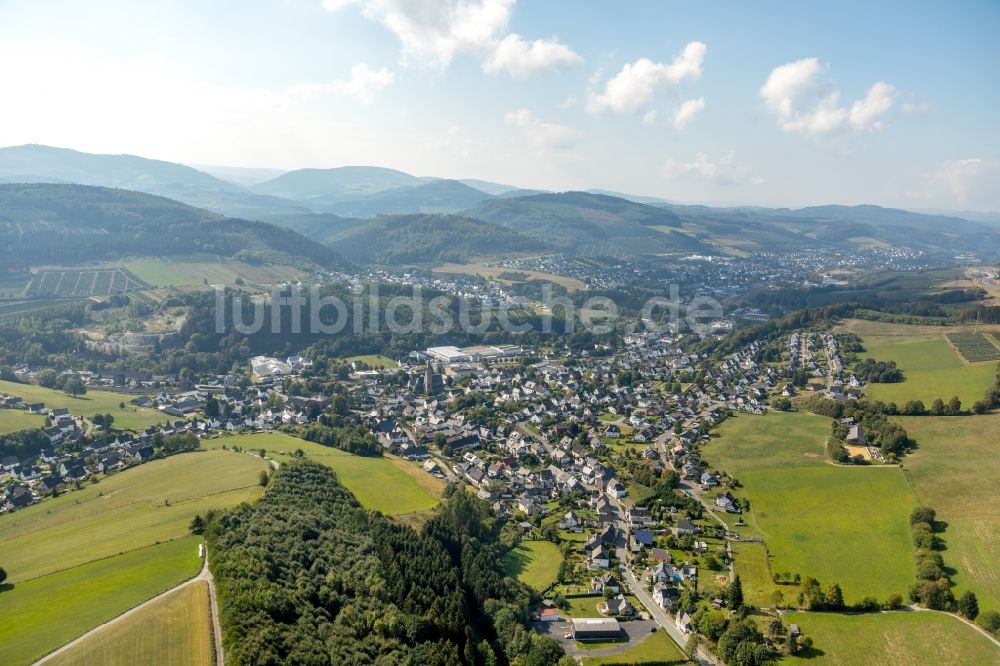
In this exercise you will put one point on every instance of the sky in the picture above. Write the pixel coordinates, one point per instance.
(735, 103)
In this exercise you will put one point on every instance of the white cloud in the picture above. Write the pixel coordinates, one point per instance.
(916, 108)
(567, 103)
(635, 84)
(798, 94)
(544, 135)
(649, 118)
(522, 59)
(723, 171)
(687, 111)
(966, 181)
(432, 32)
(362, 85)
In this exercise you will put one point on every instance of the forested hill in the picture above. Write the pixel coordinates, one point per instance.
(408, 239)
(307, 576)
(68, 224)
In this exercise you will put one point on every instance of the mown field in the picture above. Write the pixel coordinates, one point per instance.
(889, 639)
(174, 630)
(93, 402)
(931, 367)
(846, 525)
(956, 470)
(48, 612)
(534, 563)
(207, 270)
(388, 484)
(139, 507)
(373, 360)
(658, 648)
(18, 419)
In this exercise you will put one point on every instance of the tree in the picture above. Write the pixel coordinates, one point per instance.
(74, 386)
(980, 407)
(777, 599)
(736, 594)
(990, 621)
(954, 406)
(212, 408)
(937, 408)
(197, 525)
(968, 605)
(835, 596)
(894, 601)
(776, 627)
(922, 514)
(262, 479)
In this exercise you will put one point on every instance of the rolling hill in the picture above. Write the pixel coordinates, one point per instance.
(421, 238)
(332, 185)
(437, 196)
(44, 223)
(590, 223)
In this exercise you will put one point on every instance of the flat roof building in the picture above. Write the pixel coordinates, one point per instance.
(595, 629)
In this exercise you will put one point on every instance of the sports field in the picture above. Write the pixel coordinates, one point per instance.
(534, 563)
(93, 402)
(174, 630)
(388, 484)
(888, 639)
(208, 270)
(956, 470)
(931, 367)
(46, 613)
(139, 507)
(846, 525)
(19, 419)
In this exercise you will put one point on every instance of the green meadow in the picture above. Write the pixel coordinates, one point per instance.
(846, 525)
(534, 563)
(888, 639)
(43, 614)
(931, 367)
(956, 470)
(93, 402)
(388, 484)
(138, 507)
(18, 419)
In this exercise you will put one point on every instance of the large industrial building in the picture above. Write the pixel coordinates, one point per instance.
(596, 629)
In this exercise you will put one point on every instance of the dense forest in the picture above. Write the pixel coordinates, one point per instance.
(70, 224)
(307, 576)
(408, 239)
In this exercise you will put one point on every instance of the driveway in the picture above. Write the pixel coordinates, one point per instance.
(635, 631)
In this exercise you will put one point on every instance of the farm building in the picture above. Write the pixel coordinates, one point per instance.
(595, 629)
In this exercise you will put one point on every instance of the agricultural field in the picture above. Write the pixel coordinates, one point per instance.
(93, 402)
(162, 272)
(891, 638)
(848, 525)
(974, 347)
(494, 273)
(373, 360)
(16, 309)
(12, 420)
(657, 649)
(534, 563)
(389, 484)
(174, 630)
(148, 504)
(83, 282)
(46, 613)
(956, 470)
(931, 367)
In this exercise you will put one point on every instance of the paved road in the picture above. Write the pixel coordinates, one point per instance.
(204, 575)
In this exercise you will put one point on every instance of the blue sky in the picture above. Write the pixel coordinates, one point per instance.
(774, 103)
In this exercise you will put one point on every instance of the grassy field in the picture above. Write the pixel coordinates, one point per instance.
(892, 638)
(931, 367)
(205, 270)
(848, 525)
(750, 560)
(494, 272)
(535, 563)
(174, 630)
(94, 402)
(374, 360)
(658, 648)
(132, 509)
(956, 470)
(388, 484)
(18, 419)
(46, 613)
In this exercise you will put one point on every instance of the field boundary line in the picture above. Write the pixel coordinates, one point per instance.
(100, 559)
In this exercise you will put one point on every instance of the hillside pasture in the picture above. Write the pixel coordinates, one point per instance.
(956, 470)
(387, 484)
(494, 273)
(191, 271)
(89, 404)
(931, 367)
(534, 563)
(135, 508)
(12, 420)
(888, 639)
(846, 525)
(43, 614)
(173, 630)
